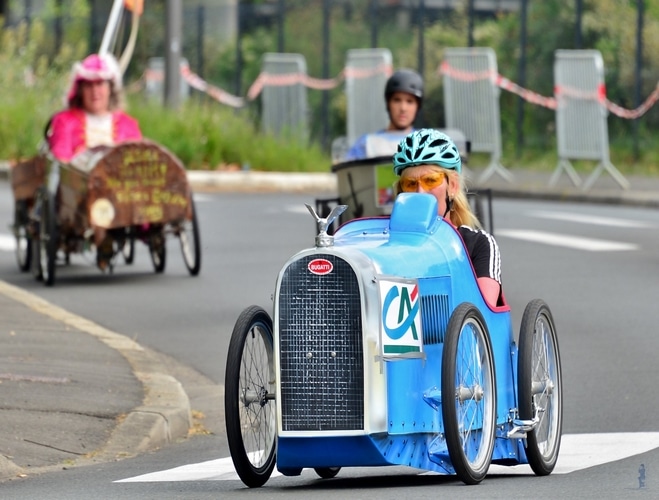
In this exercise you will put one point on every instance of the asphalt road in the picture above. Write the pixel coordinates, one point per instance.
(592, 264)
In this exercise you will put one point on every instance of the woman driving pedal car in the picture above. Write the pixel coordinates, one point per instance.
(428, 161)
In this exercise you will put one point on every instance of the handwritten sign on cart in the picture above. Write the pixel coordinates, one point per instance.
(143, 182)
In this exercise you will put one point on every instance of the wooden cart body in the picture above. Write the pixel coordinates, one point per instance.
(132, 184)
(132, 190)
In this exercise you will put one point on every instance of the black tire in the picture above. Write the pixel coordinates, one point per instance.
(249, 397)
(190, 242)
(48, 238)
(327, 472)
(468, 394)
(539, 386)
(22, 235)
(158, 251)
(128, 247)
(36, 257)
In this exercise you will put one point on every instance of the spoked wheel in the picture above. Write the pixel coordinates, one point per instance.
(468, 394)
(36, 256)
(249, 397)
(327, 472)
(23, 239)
(189, 236)
(157, 250)
(539, 386)
(48, 238)
(128, 248)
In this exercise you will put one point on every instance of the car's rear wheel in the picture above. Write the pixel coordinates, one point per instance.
(327, 472)
(48, 238)
(158, 251)
(190, 244)
(21, 233)
(539, 383)
(128, 247)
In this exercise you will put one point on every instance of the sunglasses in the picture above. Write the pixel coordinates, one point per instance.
(427, 182)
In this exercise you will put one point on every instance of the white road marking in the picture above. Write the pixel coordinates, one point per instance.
(220, 469)
(201, 198)
(592, 219)
(7, 243)
(562, 240)
(581, 451)
(577, 452)
(299, 209)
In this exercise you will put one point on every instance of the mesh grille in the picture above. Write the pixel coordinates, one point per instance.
(321, 352)
(434, 318)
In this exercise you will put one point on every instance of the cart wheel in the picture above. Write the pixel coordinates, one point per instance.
(48, 238)
(128, 248)
(189, 236)
(23, 239)
(36, 257)
(327, 472)
(249, 394)
(539, 386)
(469, 394)
(158, 252)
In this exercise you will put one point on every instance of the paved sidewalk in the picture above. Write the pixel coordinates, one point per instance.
(73, 392)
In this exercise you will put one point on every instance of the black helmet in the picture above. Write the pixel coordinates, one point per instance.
(405, 80)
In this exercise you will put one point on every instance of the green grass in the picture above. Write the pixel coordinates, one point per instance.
(208, 135)
(203, 134)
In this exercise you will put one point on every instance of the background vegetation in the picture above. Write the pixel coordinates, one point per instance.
(206, 134)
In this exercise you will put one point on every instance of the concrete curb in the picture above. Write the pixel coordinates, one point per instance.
(248, 180)
(251, 180)
(4, 169)
(165, 414)
(245, 181)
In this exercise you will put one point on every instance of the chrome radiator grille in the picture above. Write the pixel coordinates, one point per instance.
(321, 352)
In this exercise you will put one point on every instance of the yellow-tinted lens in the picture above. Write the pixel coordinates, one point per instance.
(427, 182)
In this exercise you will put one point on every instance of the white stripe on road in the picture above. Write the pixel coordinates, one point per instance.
(7, 243)
(578, 451)
(220, 469)
(592, 219)
(563, 240)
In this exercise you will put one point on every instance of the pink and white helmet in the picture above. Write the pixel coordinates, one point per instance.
(94, 67)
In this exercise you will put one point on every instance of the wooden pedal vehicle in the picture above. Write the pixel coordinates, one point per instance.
(134, 191)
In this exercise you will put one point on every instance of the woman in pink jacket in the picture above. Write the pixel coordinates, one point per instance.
(94, 116)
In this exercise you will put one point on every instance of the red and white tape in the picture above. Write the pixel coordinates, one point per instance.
(559, 92)
(269, 80)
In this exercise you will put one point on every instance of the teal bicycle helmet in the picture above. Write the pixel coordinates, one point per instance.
(427, 147)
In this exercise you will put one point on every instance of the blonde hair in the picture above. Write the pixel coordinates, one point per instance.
(460, 213)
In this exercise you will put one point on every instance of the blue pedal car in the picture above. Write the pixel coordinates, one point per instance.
(382, 351)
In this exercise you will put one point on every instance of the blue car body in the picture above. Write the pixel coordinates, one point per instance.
(359, 330)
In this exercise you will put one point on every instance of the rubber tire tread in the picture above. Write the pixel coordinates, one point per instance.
(463, 468)
(253, 477)
(540, 465)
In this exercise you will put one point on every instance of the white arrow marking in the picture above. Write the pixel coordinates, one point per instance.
(578, 451)
(563, 240)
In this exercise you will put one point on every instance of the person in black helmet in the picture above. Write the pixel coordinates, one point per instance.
(403, 95)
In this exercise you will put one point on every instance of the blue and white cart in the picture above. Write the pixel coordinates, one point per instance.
(382, 351)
